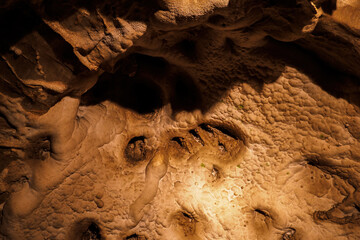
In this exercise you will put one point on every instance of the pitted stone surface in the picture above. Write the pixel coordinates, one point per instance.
(180, 120)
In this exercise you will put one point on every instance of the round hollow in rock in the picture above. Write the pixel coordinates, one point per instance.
(85, 229)
(136, 150)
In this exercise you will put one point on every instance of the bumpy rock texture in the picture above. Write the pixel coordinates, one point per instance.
(180, 119)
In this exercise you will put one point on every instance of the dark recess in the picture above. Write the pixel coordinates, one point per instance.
(222, 129)
(139, 83)
(135, 237)
(132, 86)
(136, 150)
(185, 95)
(180, 141)
(357, 207)
(92, 233)
(139, 94)
(15, 24)
(187, 215)
(188, 48)
(197, 136)
(39, 148)
(262, 212)
(217, 19)
(328, 6)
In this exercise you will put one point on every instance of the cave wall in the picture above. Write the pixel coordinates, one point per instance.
(219, 119)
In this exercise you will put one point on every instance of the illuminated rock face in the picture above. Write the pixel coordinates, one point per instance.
(180, 119)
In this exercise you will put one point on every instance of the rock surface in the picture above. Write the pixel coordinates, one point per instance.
(219, 119)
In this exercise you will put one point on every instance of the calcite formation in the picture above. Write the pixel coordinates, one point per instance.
(180, 119)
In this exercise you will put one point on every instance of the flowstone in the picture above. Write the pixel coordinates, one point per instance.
(159, 120)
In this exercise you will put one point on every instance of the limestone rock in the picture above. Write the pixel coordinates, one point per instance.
(221, 119)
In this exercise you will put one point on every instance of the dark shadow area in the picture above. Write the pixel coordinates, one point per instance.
(24, 43)
(218, 20)
(21, 20)
(59, 10)
(180, 141)
(145, 66)
(188, 48)
(185, 94)
(131, 10)
(263, 212)
(92, 233)
(334, 81)
(135, 92)
(135, 237)
(4, 123)
(131, 86)
(15, 24)
(7, 155)
(229, 46)
(11, 90)
(63, 50)
(328, 6)
(85, 229)
(223, 129)
(144, 84)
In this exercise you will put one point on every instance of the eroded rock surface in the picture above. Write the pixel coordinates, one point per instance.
(221, 119)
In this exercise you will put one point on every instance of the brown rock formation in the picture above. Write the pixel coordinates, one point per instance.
(218, 119)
